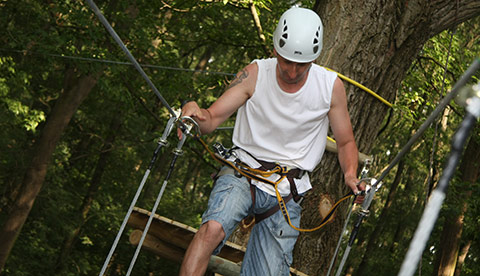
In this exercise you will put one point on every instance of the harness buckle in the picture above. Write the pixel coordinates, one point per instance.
(220, 149)
(301, 173)
(224, 152)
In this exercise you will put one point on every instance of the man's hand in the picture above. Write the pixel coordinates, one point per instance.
(357, 187)
(191, 109)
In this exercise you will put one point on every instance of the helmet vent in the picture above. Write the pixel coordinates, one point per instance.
(315, 49)
(281, 42)
(315, 41)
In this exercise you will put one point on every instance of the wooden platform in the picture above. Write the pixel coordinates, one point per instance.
(169, 239)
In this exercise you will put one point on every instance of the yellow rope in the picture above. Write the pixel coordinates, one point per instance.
(362, 87)
(283, 208)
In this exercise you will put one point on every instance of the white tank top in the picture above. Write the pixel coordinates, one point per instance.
(287, 128)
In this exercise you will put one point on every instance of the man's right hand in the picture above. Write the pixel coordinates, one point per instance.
(191, 109)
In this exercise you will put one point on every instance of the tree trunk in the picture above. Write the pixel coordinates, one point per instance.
(449, 243)
(452, 229)
(461, 258)
(65, 107)
(375, 46)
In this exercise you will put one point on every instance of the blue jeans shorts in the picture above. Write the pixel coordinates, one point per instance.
(269, 249)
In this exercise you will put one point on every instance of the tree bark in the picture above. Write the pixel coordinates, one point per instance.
(77, 89)
(449, 244)
(461, 258)
(373, 43)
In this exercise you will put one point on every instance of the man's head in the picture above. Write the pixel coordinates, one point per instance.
(299, 35)
(291, 72)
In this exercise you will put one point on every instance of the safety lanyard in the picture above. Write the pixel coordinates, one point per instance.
(259, 175)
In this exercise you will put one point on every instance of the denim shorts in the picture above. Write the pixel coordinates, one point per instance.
(269, 249)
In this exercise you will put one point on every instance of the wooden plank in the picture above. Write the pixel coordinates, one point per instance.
(168, 251)
(178, 234)
(169, 239)
(157, 246)
(332, 147)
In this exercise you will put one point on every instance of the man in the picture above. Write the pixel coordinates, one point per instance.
(285, 105)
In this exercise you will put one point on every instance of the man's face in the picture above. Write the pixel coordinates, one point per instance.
(291, 72)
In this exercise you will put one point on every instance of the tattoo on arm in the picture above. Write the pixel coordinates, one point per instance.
(239, 78)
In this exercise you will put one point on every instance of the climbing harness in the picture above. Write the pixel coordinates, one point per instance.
(264, 166)
(261, 175)
(431, 211)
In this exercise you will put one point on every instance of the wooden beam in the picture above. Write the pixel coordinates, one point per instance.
(171, 252)
(169, 239)
(178, 233)
(332, 147)
(157, 246)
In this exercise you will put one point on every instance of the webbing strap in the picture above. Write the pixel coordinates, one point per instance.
(259, 175)
(293, 194)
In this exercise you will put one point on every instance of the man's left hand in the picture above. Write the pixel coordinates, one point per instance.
(357, 187)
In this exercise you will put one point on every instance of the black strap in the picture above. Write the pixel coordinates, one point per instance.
(293, 194)
(266, 165)
(290, 175)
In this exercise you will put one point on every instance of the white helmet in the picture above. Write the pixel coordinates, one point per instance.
(299, 35)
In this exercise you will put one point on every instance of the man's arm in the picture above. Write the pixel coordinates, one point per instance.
(342, 130)
(238, 92)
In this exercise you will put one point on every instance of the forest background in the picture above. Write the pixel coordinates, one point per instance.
(80, 126)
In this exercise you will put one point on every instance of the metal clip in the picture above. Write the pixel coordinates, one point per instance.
(220, 149)
(168, 129)
(223, 152)
(366, 168)
(188, 123)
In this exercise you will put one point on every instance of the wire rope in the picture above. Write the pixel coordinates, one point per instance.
(116, 62)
